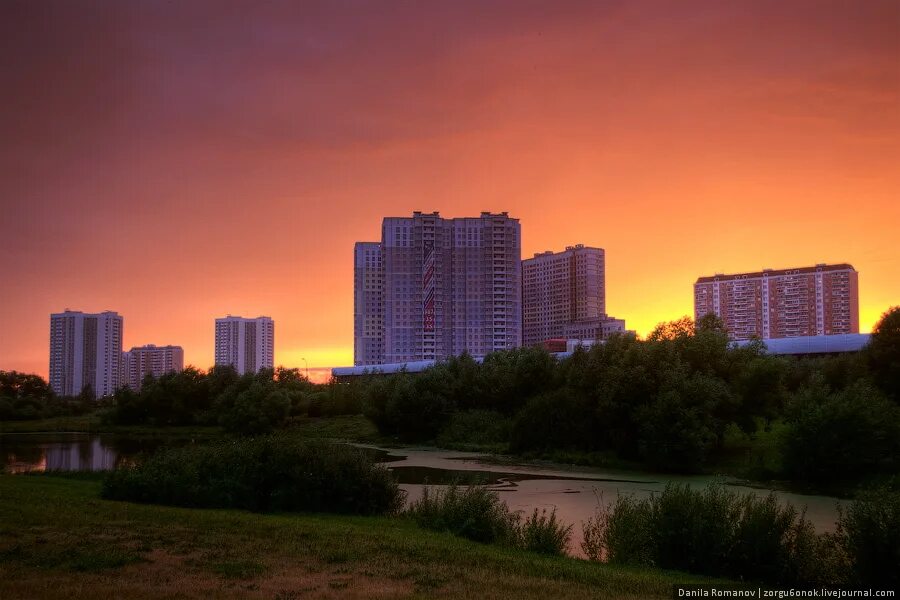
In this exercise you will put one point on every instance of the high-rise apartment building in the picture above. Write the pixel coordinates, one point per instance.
(806, 301)
(141, 361)
(435, 288)
(564, 296)
(246, 344)
(368, 304)
(85, 352)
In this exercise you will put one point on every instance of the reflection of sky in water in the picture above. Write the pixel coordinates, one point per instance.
(70, 451)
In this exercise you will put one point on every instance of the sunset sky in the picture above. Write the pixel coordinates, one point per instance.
(179, 161)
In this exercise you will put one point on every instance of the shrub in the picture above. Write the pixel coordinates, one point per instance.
(713, 532)
(691, 530)
(620, 533)
(475, 513)
(478, 514)
(263, 474)
(543, 534)
(869, 533)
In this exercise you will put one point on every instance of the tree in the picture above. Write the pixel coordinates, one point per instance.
(883, 353)
(683, 327)
(257, 410)
(558, 419)
(844, 436)
(679, 429)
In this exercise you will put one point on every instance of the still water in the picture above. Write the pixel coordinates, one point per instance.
(572, 491)
(24, 452)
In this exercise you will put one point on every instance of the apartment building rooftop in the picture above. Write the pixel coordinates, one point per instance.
(821, 267)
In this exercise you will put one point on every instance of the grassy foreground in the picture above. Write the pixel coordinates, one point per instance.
(59, 540)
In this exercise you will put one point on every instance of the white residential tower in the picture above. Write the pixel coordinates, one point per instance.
(246, 344)
(85, 352)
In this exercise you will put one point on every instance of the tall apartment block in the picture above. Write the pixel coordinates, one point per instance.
(435, 288)
(141, 361)
(368, 304)
(85, 351)
(246, 344)
(564, 296)
(806, 301)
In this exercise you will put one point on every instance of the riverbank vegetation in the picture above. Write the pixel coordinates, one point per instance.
(715, 531)
(719, 532)
(478, 514)
(58, 540)
(266, 474)
(683, 400)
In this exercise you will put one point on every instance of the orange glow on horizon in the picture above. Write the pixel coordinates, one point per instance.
(143, 175)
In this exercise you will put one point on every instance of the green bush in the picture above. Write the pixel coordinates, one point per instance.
(263, 474)
(691, 530)
(620, 533)
(713, 532)
(542, 533)
(478, 514)
(869, 534)
(475, 513)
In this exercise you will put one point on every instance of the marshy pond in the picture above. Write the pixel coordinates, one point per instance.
(574, 492)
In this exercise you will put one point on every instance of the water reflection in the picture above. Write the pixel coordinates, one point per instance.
(24, 453)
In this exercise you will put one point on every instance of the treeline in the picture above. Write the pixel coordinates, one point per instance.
(25, 396)
(681, 400)
(247, 404)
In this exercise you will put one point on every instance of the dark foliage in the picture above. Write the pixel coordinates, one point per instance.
(25, 396)
(714, 532)
(250, 404)
(264, 474)
(478, 514)
(883, 353)
(843, 436)
(869, 534)
(474, 513)
(669, 402)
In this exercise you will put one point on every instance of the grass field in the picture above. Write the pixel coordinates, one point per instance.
(59, 540)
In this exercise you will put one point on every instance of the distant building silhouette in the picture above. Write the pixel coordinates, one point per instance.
(434, 288)
(246, 344)
(564, 297)
(806, 301)
(85, 350)
(141, 361)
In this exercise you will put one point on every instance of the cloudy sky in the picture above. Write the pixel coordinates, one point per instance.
(178, 161)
